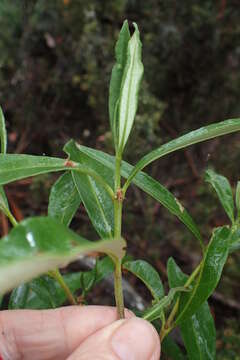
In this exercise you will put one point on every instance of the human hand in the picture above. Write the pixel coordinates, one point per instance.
(76, 333)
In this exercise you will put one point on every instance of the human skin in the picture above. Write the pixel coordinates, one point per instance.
(76, 333)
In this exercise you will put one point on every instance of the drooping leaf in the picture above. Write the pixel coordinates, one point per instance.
(211, 269)
(128, 100)
(147, 184)
(193, 137)
(96, 200)
(15, 167)
(224, 191)
(64, 199)
(116, 78)
(148, 275)
(3, 133)
(41, 244)
(171, 349)
(198, 331)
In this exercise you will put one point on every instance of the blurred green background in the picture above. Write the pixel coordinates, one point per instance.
(55, 65)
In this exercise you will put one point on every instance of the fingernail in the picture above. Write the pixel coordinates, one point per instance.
(135, 339)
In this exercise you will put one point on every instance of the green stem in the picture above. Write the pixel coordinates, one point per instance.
(168, 325)
(118, 199)
(58, 277)
(11, 217)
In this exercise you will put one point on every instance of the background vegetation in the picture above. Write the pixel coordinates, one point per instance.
(55, 64)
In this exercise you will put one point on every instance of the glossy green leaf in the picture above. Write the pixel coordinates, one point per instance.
(147, 184)
(198, 331)
(64, 199)
(171, 349)
(148, 275)
(16, 167)
(213, 262)
(40, 244)
(96, 200)
(237, 197)
(116, 78)
(3, 133)
(224, 191)
(193, 137)
(128, 100)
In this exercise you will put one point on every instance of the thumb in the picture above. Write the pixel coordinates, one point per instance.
(132, 339)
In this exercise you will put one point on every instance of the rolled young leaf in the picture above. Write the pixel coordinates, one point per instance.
(41, 244)
(96, 200)
(193, 137)
(116, 79)
(224, 191)
(128, 100)
(64, 199)
(198, 331)
(147, 184)
(213, 262)
(148, 275)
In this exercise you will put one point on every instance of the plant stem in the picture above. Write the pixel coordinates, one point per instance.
(117, 234)
(58, 277)
(168, 325)
(11, 217)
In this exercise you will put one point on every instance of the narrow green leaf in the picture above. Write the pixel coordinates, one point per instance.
(224, 191)
(41, 244)
(147, 184)
(171, 349)
(96, 200)
(237, 197)
(148, 275)
(198, 331)
(116, 78)
(213, 262)
(64, 199)
(131, 81)
(16, 167)
(3, 133)
(193, 137)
